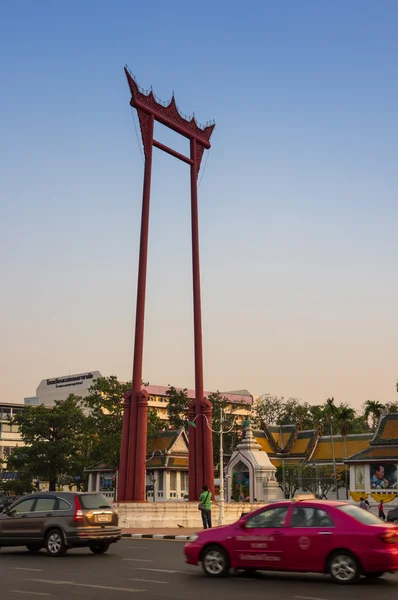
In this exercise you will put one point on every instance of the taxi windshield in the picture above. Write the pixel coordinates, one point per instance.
(359, 514)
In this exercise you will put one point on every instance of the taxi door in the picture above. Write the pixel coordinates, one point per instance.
(310, 538)
(261, 543)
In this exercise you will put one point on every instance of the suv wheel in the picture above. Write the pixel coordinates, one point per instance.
(99, 548)
(344, 567)
(55, 544)
(215, 562)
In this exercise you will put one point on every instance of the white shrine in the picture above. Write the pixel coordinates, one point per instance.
(250, 473)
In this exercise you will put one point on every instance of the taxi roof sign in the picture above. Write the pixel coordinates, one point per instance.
(302, 497)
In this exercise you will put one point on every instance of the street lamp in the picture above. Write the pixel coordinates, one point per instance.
(221, 432)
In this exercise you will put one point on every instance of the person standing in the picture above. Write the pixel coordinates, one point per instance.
(381, 510)
(362, 504)
(205, 507)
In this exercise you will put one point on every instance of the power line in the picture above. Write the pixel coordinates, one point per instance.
(136, 134)
(204, 168)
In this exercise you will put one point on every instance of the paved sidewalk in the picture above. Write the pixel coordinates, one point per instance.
(170, 533)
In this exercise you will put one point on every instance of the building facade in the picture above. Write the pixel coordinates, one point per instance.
(240, 402)
(10, 438)
(59, 388)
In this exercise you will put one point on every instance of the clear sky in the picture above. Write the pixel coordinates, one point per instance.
(298, 202)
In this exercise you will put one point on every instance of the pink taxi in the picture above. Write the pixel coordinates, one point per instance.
(304, 535)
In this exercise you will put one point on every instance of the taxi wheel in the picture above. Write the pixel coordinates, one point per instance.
(374, 574)
(55, 544)
(215, 562)
(344, 567)
(99, 548)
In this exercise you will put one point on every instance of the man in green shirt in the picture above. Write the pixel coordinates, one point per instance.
(205, 507)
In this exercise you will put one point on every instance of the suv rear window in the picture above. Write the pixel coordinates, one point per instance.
(90, 501)
(359, 514)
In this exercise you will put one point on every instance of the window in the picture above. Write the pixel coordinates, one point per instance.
(363, 516)
(90, 501)
(273, 517)
(310, 517)
(173, 480)
(185, 481)
(5, 414)
(7, 428)
(45, 504)
(8, 451)
(23, 507)
(160, 481)
(63, 505)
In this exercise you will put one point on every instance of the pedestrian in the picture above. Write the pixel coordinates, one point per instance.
(381, 510)
(367, 505)
(205, 507)
(362, 504)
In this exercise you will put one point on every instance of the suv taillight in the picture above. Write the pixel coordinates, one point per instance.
(78, 515)
(390, 537)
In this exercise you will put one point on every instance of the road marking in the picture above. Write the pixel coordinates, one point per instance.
(138, 559)
(159, 570)
(307, 598)
(148, 580)
(86, 585)
(138, 547)
(30, 593)
(25, 569)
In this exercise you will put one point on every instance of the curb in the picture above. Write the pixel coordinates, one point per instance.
(156, 536)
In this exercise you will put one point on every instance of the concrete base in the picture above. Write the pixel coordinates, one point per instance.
(152, 515)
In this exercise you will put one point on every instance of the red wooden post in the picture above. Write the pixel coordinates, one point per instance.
(121, 484)
(142, 427)
(208, 466)
(135, 454)
(192, 492)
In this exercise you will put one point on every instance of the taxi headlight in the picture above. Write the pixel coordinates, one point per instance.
(193, 538)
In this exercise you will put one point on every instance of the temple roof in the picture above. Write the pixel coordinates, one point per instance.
(385, 453)
(169, 450)
(387, 431)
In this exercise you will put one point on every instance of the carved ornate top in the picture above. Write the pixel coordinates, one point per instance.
(168, 113)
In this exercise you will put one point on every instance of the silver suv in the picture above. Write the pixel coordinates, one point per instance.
(58, 521)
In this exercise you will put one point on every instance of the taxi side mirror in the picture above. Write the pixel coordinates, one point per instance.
(242, 523)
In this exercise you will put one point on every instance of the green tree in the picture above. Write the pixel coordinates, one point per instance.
(104, 406)
(373, 409)
(177, 408)
(288, 479)
(392, 407)
(56, 441)
(345, 420)
(268, 409)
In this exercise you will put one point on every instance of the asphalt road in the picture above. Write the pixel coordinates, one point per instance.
(156, 570)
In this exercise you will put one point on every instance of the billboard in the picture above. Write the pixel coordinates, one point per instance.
(383, 476)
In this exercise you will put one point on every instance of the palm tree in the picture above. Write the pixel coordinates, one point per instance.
(373, 409)
(346, 416)
(332, 411)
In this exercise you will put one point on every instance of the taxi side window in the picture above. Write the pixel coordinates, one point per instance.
(273, 517)
(310, 517)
